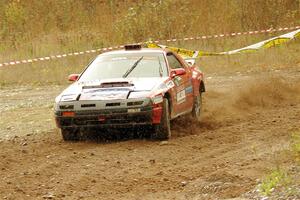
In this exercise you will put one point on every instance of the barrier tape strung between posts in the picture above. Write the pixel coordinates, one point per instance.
(54, 57)
(275, 41)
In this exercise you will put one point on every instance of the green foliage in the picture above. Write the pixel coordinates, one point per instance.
(14, 14)
(295, 145)
(13, 26)
(154, 19)
(35, 28)
(131, 21)
(275, 178)
(279, 177)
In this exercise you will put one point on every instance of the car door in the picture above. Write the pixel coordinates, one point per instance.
(183, 85)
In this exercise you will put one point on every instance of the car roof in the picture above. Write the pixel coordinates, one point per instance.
(142, 50)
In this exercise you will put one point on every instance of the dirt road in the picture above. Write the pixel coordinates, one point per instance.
(248, 119)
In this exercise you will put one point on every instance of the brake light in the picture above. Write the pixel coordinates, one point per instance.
(68, 114)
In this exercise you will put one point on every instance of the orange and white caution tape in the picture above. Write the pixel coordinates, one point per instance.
(59, 56)
(275, 41)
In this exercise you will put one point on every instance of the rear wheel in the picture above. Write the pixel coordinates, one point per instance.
(162, 131)
(197, 107)
(70, 134)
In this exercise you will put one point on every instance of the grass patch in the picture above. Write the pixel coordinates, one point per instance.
(71, 26)
(296, 142)
(295, 146)
(282, 178)
(277, 177)
(57, 71)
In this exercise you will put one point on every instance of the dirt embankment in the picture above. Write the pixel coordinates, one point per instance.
(247, 120)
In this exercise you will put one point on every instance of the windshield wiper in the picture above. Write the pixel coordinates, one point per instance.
(132, 67)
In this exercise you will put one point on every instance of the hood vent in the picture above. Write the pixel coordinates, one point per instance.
(109, 85)
(88, 105)
(112, 104)
(116, 84)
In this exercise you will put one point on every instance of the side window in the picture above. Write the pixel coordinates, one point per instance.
(173, 62)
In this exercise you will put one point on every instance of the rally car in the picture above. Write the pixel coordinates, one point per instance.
(129, 88)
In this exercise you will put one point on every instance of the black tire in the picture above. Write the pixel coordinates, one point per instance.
(162, 131)
(70, 134)
(197, 107)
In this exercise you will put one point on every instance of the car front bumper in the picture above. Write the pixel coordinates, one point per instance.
(122, 117)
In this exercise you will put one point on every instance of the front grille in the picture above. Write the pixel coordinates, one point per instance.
(99, 112)
(85, 121)
(108, 111)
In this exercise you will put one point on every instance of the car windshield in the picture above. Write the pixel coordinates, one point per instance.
(116, 65)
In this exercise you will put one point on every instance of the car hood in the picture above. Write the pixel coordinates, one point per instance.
(111, 89)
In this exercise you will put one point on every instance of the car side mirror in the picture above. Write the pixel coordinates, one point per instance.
(177, 72)
(73, 77)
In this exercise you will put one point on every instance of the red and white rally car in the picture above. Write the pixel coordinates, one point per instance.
(128, 88)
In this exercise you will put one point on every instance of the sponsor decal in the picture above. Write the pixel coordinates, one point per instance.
(177, 80)
(104, 95)
(189, 89)
(170, 84)
(181, 97)
(157, 99)
(92, 90)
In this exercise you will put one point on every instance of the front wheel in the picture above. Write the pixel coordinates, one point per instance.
(162, 131)
(197, 107)
(70, 134)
